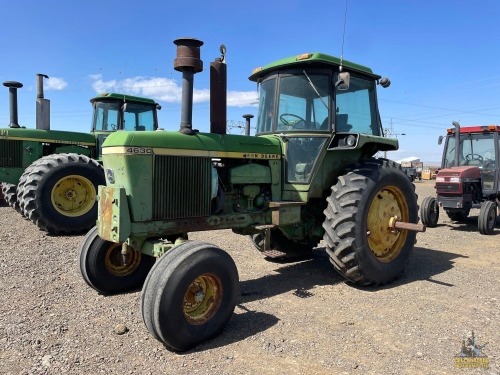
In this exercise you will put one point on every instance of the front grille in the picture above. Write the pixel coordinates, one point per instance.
(11, 153)
(447, 188)
(182, 187)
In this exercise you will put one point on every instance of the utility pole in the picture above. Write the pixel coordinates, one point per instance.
(390, 133)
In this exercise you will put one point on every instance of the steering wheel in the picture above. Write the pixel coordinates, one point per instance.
(470, 157)
(289, 122)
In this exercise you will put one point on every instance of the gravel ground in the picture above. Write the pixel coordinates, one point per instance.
(297, 318)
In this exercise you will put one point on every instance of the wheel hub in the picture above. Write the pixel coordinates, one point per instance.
(117, 265)
(385, 242)
(202, 299)
(73, 195)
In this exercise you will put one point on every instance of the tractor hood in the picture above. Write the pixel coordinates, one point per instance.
(199, 144)
(466, 172)
(49, 136)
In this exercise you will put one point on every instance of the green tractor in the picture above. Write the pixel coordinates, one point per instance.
(51, 176)
(308, 175)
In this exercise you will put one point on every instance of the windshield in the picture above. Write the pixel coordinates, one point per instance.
(474, 149)
(301, 104)
(136, 117)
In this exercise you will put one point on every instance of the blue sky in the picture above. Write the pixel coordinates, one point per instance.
(441, 56)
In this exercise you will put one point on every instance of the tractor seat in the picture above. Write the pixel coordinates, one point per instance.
(341, 124)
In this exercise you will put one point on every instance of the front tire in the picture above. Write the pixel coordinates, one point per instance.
(429, 212)
(102, 266)
(361, 245)
(190, 295)
(487, 217)
(60, 193)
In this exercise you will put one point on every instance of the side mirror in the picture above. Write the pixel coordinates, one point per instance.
(440, 139)
(385, 82)
(343, 82)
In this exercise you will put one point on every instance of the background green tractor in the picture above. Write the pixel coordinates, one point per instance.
(52, 176)
(308, 175)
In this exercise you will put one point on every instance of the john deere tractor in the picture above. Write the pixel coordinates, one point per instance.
(51, 176)
(469, 177)
(308, 175)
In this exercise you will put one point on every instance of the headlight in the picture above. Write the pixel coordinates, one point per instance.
(439, 179)
(455, 179)
(350, 140)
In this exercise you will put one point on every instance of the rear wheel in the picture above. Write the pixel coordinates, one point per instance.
(19, 207)
(60, 193)
(429, 212)
(487, 217)
(9, 193)
(190, 295)
(361, 245)
(105, 269)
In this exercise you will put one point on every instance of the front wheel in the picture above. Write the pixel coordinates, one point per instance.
(487, 217)
(361, 245)
(429, 212)
(189, 295)
(105, 269)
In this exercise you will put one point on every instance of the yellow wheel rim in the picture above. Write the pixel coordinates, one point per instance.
(384, 242)
(73, 195)
(202, 299)
(118, 266)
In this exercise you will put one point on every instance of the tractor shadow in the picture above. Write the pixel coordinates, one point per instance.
(300, 278)
(468, 225)
(423, 265)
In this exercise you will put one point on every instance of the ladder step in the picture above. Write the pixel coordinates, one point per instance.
(274, 254)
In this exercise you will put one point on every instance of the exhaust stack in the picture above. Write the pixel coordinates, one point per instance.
(247, 123)
(189, 63)
(13, 86)
(42, 105)
(218, 94)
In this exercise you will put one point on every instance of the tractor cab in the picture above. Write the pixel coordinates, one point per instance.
(123, 112)
(114, 112)
(316, 102)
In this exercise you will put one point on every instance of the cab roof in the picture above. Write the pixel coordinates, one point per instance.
(128, 98)
(313, 59)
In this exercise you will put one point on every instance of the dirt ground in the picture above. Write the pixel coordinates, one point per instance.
(296, 318)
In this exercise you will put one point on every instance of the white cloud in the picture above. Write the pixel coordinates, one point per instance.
(54, 83)
(167, 90)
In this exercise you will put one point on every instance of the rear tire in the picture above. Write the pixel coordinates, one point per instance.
(190, 295)
(361, 246)
(19, 206)
(9, 194)
(102, 267)
(60, 193)
(487, 217)
(429, 212)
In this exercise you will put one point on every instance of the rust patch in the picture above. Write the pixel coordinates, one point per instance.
(106, 201)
